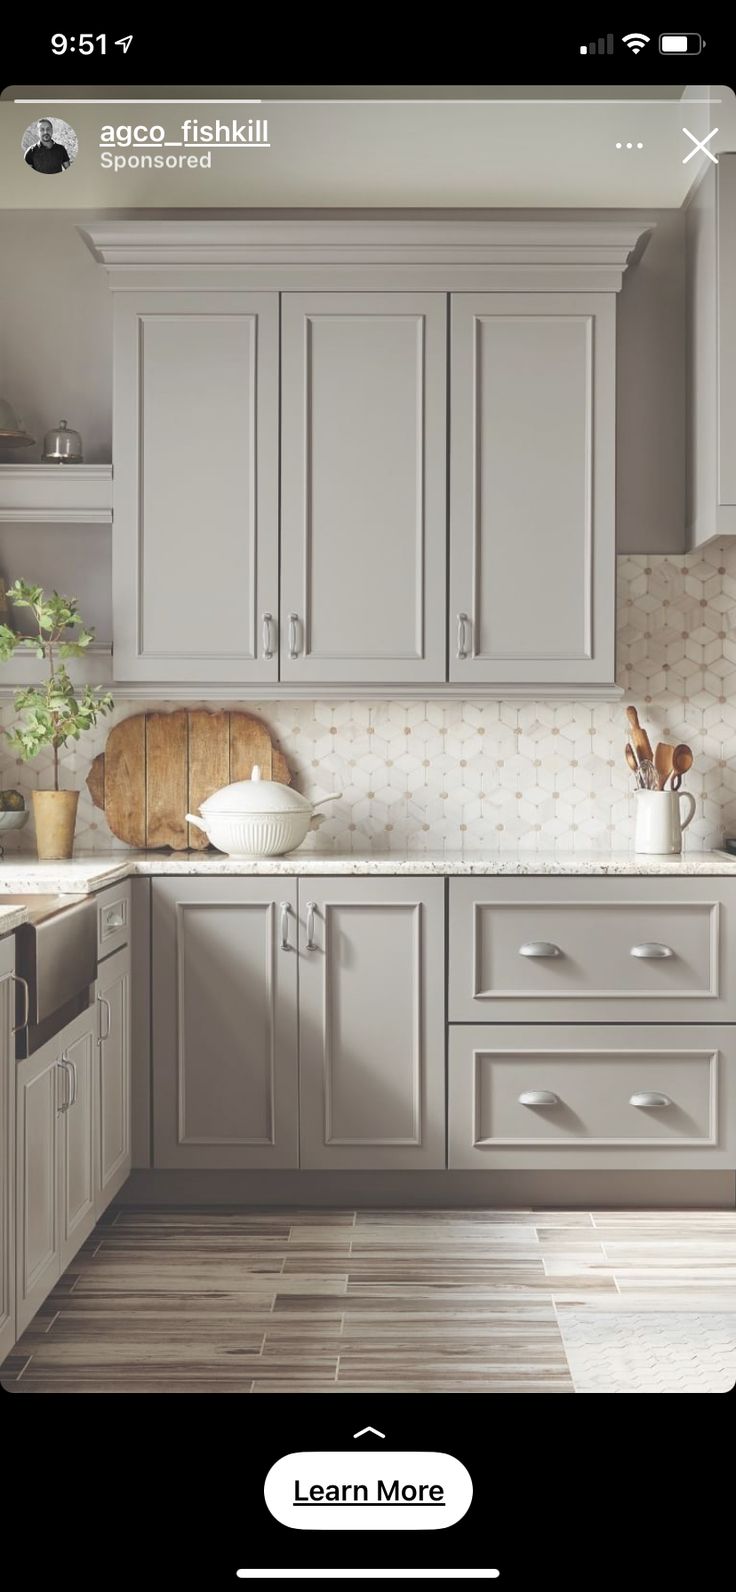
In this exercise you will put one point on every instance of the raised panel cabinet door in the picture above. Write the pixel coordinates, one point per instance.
(7, 1148)
(372, 1023)
(79, 1140)
(114, 1096)
(195, 489)
(42, 1090)
(225, 1041)
(726, 355)
(532, 470)
(363, 469)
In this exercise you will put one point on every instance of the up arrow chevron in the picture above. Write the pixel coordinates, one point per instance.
(365, 1429)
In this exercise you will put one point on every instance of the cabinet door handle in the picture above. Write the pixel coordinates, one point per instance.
(103, 1000)
(311, 910)
(18, 978)
(285, 926)
(66, 1069)
(538, 1097)
(650, 1102)
(540, 948)
(652, 951)
(462, 638)
(114, 918)
(293, 635)
(73, 1066)
(268, 635)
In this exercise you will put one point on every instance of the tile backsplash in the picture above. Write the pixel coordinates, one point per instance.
(501, 775)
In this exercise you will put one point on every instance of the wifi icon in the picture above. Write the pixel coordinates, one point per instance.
(635, 41)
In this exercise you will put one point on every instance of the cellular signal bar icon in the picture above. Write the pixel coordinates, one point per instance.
(603, 47)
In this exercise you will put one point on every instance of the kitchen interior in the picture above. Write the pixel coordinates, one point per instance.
(368, 809)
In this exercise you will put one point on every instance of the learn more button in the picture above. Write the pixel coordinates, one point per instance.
(349, 1491)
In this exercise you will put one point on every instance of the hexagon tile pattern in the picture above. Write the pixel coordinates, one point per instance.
(497, 775)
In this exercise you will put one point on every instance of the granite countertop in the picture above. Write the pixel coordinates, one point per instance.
(97, 870)
(11, 918)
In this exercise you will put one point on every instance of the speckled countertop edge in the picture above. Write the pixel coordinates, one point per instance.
(97, 871)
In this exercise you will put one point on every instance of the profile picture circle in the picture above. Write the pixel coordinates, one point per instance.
(49, 145)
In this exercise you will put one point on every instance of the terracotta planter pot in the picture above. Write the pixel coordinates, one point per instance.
(55, 814)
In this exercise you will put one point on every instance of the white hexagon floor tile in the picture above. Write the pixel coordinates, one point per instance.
(650, 1352)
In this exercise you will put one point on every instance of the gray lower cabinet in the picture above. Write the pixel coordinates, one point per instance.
(592, 1096)
(532, 470)
(55, 1160)
(114, 1077)
(592, 950)
(372, 1023)
(196, 487)
(7, 1147)
(363, 468)
(225, 1061)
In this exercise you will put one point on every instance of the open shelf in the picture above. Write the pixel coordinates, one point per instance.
(56, 493)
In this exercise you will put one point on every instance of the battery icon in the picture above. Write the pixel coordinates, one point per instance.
(680, 43)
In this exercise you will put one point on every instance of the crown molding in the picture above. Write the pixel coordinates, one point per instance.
(595, 253)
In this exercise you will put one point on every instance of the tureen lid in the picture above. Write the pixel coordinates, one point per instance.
(255, 795)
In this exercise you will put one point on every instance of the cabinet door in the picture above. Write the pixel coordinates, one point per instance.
(7, 1149)
(371, 1016)
(195, 530)
(78, 1136)
(114, 1097)
(225, 1023)
(40, 1097)
(363, 517)
(532, 525)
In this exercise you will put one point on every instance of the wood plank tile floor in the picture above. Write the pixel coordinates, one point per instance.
(252, 1301)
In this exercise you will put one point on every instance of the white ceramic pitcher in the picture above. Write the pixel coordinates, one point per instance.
(659, 826)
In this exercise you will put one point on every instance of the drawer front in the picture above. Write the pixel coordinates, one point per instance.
(561, 950)
(591, 1095)
(113, 919)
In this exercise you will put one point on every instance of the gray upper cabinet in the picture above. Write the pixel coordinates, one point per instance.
(711, 266)
(363, 507)
(7, 1148)
(224, 963)
(371, 1008)
(195, 530)
(532, 529)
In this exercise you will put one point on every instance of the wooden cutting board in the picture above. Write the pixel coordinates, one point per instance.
(157, 767)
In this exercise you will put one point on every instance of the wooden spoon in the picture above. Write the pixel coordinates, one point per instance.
(663, 762)
(682, 759)
(640, 739)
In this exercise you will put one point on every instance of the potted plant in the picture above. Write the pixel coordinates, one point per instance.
(54, 713)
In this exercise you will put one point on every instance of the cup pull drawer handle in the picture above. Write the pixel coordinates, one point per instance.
(652, 951)
(538, 1097)
(650, 1102)
(540, 948)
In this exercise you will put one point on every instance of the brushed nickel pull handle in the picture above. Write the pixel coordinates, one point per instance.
(285, 926)
(18, 978)
(650, 1101)
(105, 1002)
(651, 951)
(311, 910)
(66, 1068)
(268, 635)
(540, 948)
(462, 640)
(293, 636)
(73, 1066)
(115, 918)
(538, 1097)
